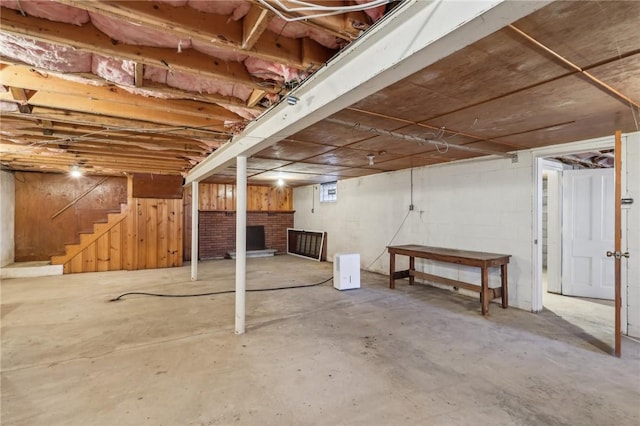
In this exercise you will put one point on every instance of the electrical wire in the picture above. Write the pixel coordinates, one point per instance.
(213, 293)
(390, 241)
(322, 10)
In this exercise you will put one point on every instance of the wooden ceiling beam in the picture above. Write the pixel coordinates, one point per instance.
(27, 79)
(162, 147)
(105, 152)
(79, 134)
(88, 38)
(37, 163)
(150, 88)
(121, 124)
(112, 109)
(217, 31)
(89, 160)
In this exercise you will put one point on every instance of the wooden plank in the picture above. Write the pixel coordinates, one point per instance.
(20, 95)
(152, 233)
(178, 235)
(116, 247)
(186, 223)
(138, 76)
(221, 197)
(163, 235)
(76, 264)
(174, 232)
(254, 24)
(204, 197)
(446, 281)
(132, 236)
(142, 242)
(89, 258)
(165, 112)
(256, 96)
(103, 252)
(95, 120)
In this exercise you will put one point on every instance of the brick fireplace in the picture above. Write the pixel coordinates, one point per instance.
(217, 234)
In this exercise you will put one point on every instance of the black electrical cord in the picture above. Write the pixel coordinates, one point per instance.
(140, 293)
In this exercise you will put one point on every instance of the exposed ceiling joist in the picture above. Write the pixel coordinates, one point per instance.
(215, 30)
(88, 38)
(373, 63)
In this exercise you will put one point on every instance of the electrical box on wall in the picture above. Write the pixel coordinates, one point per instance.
(346, 271)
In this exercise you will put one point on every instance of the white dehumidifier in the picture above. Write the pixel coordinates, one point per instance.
(346, 271)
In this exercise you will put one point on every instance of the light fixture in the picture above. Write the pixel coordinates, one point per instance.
(280, 182)
(292, 100)
(75, 172)
(370, 157)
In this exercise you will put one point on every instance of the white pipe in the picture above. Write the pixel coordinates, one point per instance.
(194, 230)
(241, 241)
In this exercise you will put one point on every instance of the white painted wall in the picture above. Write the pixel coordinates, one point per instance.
(631, 236)
(483, 205)
(7, 212)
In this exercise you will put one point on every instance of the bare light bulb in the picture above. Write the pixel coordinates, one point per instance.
(280, 182)
(75, 172)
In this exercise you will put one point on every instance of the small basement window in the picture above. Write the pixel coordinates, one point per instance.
(328, 192)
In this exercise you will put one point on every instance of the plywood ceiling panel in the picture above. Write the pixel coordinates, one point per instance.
(586, 32)
(623, 74)
(565, 100)
(345, 157)
(310, 168)
(293, 150)
(352, 172)
(495, 66)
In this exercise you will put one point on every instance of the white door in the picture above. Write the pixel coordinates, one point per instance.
(588, 233)
(554, 231)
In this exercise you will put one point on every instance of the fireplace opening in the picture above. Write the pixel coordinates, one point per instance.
(255, 237)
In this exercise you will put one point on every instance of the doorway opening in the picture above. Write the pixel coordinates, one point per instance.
(575, 192)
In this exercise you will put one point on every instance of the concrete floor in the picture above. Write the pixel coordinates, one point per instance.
(594, 317)
(314, 356)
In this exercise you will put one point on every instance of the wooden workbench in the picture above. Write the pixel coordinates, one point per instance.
(484, 261)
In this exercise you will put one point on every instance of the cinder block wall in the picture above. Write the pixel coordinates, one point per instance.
(217, 234)
(484, 205)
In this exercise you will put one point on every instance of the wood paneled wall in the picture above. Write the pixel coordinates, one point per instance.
(222, 197)
(213, 196)
(40, 195)
(147, 235)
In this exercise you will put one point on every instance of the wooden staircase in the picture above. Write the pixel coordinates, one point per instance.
(100, 250)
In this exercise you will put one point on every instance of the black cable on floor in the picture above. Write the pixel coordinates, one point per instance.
(140, 293)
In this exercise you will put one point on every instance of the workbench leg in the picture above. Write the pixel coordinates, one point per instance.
(485, 298)
(392, 270)
(505, 296)
(412, 267)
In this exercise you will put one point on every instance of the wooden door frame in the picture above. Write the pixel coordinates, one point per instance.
(538, 165)
(618, 243)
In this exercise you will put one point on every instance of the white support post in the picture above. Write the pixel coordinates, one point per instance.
(194, 230)
(241, 241)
